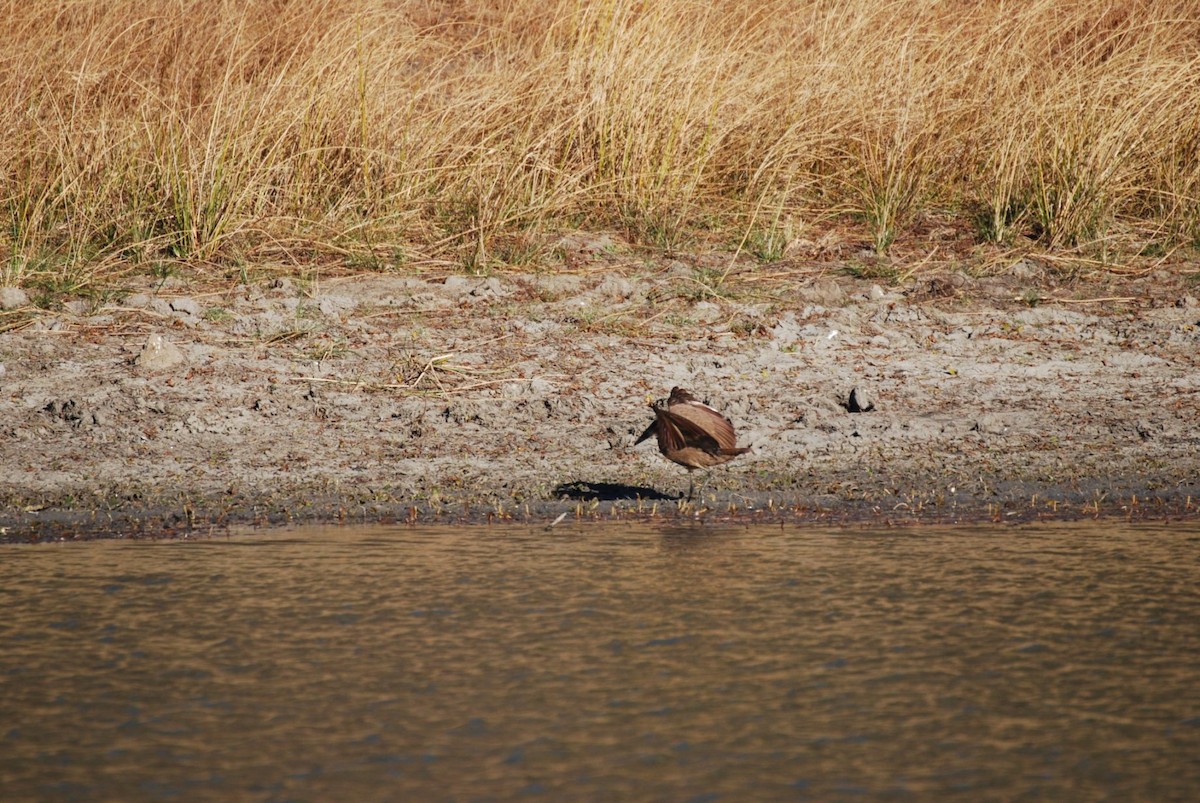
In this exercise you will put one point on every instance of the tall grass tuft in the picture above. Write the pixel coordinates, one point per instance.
(133, 133)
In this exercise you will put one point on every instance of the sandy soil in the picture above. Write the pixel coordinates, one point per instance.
(182, 405)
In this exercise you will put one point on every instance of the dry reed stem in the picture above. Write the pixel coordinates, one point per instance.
(465, 135)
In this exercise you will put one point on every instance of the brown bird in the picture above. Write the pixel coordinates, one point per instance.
(691, 433)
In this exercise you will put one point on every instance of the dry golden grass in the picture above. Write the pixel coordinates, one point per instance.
(134, 134)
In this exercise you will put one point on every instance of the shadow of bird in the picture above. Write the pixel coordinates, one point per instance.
(607, 491)
(691, 433)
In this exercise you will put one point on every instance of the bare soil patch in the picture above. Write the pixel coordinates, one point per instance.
(177, 406)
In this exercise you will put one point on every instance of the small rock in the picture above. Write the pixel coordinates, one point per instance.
(158, 353)
(458, 285)
(13, 297)
(859, 402)
(78, 306)
(826, 292)
(490, 288)
(586, 244)
(876, 293)
(961, 333)
(1025, 270)
(945, 286)
(186, 306)
(281, 283)
(536, 388)
(470, 288)
(138, 300)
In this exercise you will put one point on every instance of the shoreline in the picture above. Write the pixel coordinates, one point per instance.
(208, 519)
(453, 398)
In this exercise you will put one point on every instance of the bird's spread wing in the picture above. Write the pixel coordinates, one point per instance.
(707, 421)
(678, 432)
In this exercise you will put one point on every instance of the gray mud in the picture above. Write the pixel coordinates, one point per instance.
(383, 397)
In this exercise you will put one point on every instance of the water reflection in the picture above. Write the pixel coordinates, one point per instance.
(604, 663)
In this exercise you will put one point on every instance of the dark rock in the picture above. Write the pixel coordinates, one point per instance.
(859, 402)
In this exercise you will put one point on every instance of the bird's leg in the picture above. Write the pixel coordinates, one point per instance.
(691, 486)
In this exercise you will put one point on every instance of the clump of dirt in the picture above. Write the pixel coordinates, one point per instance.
(436, 397)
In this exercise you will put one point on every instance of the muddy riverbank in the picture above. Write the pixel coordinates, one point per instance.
(184, 404)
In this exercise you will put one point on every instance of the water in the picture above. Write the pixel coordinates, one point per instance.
(605, 663)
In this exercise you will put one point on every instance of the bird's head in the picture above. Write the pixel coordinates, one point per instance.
(655, 404)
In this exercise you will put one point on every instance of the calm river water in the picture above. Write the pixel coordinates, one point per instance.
(605, 663)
